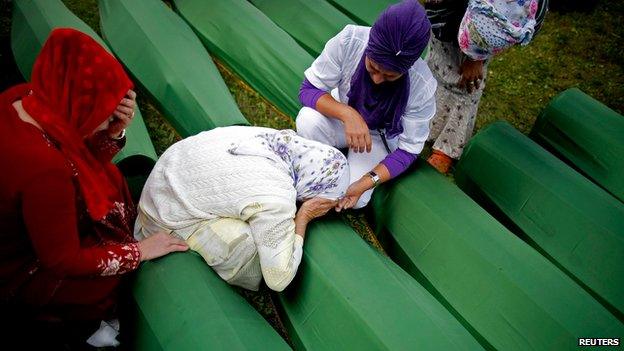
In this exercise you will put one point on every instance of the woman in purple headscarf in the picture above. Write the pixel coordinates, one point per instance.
(370, 91)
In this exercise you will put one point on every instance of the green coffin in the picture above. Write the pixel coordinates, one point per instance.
(310, 23)
(165, 56)
(255, 48)
(587, 134)
(347, 296)
(560, 212)
(494, 282)
(313, 23)
(33, 20)
(363, 12)
(182, 304)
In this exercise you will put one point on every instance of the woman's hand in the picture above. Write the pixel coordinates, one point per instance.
(357, 134)
(159, 245)
(123, 115)
(471, 75)
(311, 209)
(354, 192)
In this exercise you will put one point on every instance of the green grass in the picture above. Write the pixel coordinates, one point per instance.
(583, 50)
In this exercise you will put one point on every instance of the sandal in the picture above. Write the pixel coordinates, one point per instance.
(440, 161)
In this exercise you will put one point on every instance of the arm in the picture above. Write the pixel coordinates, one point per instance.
(311, 209)
(324, 75)
(356, 130)
(393, 165)
(357, 188)
(49, 210)
(103, 147)
(420, 109)
(279, 238)
(472, 73)
(398, 161)
(279, 248)
(107, 143)
(309, 94)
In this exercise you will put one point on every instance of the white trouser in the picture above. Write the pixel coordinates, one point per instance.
(225, 244)
(313, 125)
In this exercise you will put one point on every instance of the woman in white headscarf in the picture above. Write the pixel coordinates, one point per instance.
(232, 193)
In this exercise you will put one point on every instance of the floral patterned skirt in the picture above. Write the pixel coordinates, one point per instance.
(452, 126)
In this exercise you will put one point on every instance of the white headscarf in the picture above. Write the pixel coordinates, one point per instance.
(317, 170)
(491, 26)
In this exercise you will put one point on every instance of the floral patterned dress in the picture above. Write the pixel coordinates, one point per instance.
(481, 30)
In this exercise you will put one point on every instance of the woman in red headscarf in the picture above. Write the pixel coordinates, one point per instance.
(65, 210)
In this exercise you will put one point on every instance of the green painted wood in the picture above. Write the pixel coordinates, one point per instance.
(182, 304)
(363, 12)
(573, 221)
(587, 134)
(310, 23)
(348, 296)
(32, 22)
(165, 56)
(255, 48)
(496, 284)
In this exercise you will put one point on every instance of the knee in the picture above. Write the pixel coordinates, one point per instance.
(308, 122)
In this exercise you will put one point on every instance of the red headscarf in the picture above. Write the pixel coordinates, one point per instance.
(76, 85)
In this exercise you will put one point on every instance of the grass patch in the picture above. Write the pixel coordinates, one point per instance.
(256, 109)
(581, 50)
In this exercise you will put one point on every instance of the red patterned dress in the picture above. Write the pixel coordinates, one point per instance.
(66, 215)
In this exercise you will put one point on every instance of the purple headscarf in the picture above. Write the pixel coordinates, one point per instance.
(396, 41)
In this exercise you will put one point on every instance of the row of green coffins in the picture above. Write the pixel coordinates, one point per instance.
(346, 296)
(375, 323)
(571, 220)
(183, 287)
(545, 319)
(153, 327)
(326, 292)
(163, 54)
(255, 48)
(532, 330)
(497, 285)
(588, 135)
(313, 23)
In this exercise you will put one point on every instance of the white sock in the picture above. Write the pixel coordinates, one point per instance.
(106, 335)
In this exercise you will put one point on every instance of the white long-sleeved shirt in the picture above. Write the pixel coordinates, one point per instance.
(197, 180)
(337, 63)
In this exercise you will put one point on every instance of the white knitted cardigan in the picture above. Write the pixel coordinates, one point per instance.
(197, 179)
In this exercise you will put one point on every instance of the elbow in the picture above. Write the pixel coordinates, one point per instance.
(302, 91)
(302, 97)
(277, 287)
(280, 280)
(61, 266)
